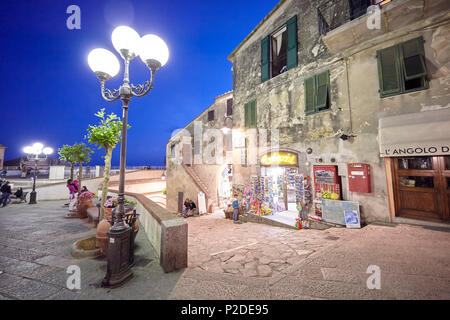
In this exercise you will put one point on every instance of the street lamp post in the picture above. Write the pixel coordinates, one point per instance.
(154, 53)
(33, 153)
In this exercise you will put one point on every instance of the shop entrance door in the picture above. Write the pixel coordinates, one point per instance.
(422, 187)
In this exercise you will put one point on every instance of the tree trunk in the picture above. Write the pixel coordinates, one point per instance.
(106, 175)
(80, 176)
(71, 170)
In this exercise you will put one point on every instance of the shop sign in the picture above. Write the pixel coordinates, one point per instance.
(281, 158)
(400, 151)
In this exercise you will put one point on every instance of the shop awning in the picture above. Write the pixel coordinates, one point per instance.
(415, 134)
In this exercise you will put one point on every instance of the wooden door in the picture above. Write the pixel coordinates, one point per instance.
(421, 186)
(180, 202)
(444, 184)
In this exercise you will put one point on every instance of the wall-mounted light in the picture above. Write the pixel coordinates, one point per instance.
(309, 150)
(345, 137)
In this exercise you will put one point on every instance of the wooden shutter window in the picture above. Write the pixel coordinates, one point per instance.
(253, 114)
(413, 59)
(246, 115)
(389, 71)
(310, 94)
(265, 59)
(292, 43)
(323, 80)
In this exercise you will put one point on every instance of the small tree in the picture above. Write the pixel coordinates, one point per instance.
(81, 154)
(66, 154)
(107, 134)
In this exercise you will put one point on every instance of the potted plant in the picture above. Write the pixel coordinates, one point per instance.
(105, 224)
(106, 134)
(85, 202)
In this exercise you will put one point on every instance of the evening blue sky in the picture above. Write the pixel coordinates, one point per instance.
(49, 94)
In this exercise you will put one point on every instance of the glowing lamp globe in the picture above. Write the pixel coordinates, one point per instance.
(126, 41)
(47, 150)
(153, 51)
(104, 63)
(28, 150)
(37, 148)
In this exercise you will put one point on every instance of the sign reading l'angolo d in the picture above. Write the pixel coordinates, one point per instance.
(436, 149)
(282, 158)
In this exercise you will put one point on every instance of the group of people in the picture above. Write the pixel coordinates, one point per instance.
(189, 208)
(73, 187)
(5, 189)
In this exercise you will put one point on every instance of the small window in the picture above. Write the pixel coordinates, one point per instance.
(279, 50)
(211, 115)
(229, 107)
(317, 93)
(172, 151)
(402, 68)
(278, 43)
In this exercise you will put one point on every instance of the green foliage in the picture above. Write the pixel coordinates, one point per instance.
(81, 153)
(164, 191)
(66, 153)
(107, 133)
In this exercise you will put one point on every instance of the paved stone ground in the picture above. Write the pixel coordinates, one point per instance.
(227, 261)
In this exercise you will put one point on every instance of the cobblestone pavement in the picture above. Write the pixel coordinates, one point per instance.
(227, 261)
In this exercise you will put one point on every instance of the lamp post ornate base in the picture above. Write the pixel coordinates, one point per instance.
(118, 267)
(32, 197)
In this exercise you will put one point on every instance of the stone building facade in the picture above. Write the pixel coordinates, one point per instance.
(342, 82)
(347, 129)
(189, 170)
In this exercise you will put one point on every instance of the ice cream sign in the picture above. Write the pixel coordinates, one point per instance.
(279, 158)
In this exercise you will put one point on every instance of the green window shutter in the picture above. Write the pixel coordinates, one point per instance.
(389, 71)
(413, 59)
(310, 95)
(265, 59)
(323, 88)
(291, 29)
(254, 115)
(246, 115)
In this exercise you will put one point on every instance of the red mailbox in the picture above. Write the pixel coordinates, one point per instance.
(359, 177)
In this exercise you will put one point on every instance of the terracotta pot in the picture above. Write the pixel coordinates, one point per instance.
(83, 206)
(102, 235)
(108, 213)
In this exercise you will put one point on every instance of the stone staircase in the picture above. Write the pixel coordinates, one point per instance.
(199, 182)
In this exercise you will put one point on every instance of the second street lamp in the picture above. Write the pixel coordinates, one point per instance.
(34, 153)
(154, 53)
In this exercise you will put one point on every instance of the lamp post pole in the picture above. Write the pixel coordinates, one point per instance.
(105, 65)
(33, 193)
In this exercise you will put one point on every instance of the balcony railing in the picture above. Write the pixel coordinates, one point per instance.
(334, 13)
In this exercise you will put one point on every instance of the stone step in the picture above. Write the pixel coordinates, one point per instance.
(261, 219)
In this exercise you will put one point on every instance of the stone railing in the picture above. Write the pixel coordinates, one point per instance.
(167, 233)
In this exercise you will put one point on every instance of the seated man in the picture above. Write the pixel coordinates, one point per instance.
(186, 208)
(192, 208)
(17, 194)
